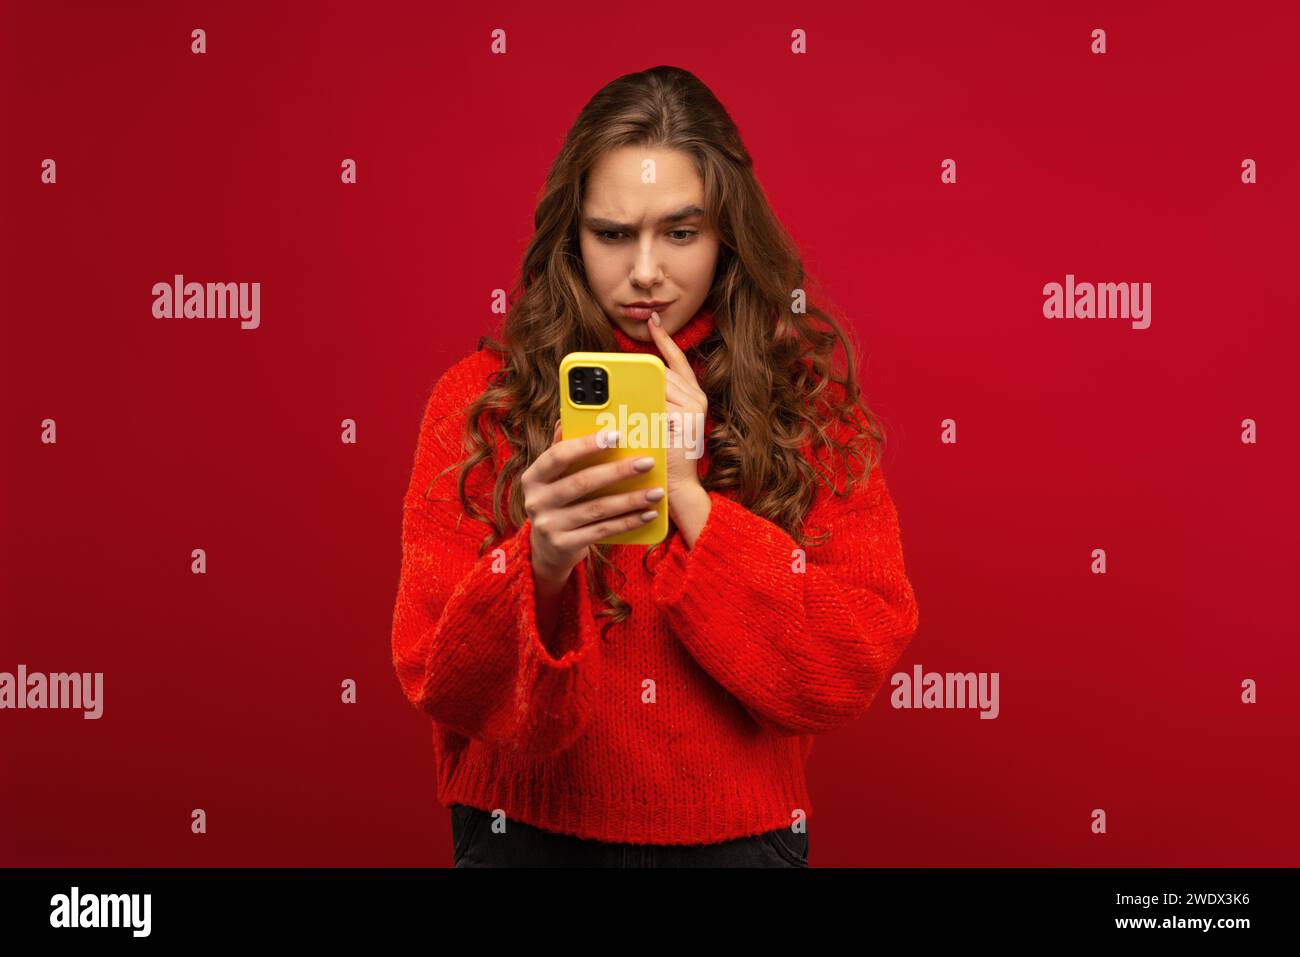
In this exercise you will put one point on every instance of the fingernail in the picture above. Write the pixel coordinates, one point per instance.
(647, 516)
(654, 495)
(609, 441)
(655, 317)
(642, 464)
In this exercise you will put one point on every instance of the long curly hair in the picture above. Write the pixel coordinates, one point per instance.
(769, 372)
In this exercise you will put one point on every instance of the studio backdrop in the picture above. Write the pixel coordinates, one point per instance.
(1063, 234)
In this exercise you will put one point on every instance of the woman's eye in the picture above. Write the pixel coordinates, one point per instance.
(613, 235)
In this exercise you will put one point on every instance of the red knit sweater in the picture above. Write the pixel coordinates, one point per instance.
(749, 657)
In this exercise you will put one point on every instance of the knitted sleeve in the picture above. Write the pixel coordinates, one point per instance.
(804, 646)
(465, 642)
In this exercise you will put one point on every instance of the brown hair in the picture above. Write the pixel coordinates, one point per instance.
(768, 369)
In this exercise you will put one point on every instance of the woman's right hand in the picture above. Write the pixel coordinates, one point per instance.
(563, 532)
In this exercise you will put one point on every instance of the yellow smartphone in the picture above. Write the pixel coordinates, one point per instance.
(624, 391)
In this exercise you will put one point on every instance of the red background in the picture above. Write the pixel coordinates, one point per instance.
(221, 690)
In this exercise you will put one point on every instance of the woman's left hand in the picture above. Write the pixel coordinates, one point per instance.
(684, 397)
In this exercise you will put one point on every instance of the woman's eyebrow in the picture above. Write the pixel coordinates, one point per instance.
(686, 212)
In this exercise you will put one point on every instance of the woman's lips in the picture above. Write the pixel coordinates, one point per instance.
(642, 313)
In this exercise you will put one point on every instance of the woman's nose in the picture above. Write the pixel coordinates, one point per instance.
(646, 271)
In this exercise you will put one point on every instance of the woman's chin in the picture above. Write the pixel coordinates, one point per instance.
(633, 330)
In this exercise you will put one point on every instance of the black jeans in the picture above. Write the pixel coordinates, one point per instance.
(475, 845)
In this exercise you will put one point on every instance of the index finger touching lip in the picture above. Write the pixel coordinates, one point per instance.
(672, 352)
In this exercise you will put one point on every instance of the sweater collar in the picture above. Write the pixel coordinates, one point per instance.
(689, 336)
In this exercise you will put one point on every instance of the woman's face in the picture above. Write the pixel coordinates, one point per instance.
(647, 241)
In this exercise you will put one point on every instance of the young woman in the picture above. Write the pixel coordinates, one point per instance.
(622, 705)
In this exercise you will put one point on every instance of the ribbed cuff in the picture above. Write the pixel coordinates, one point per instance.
(691, 583)
(575, 631)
